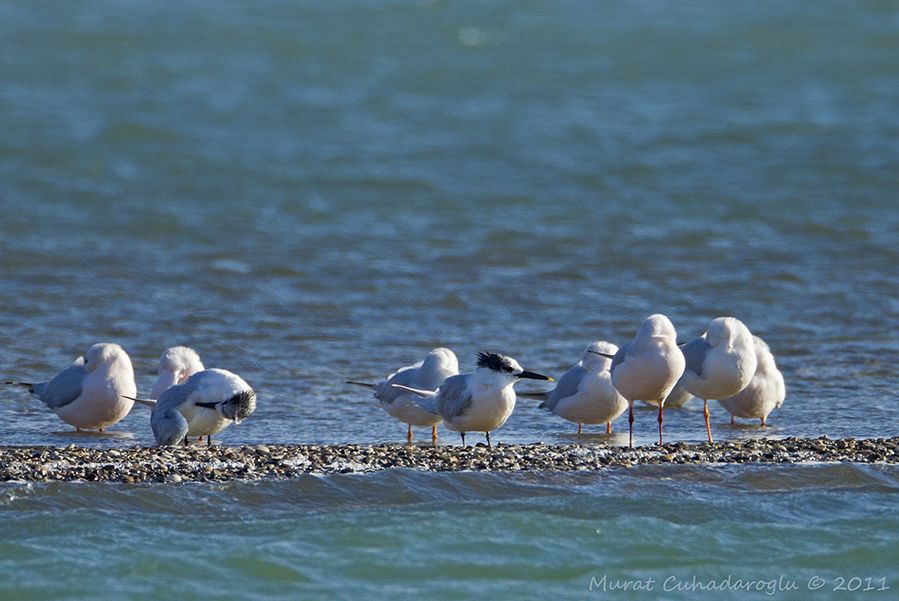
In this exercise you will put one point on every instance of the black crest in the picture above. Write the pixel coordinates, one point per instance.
(495, 362)
(240, 406)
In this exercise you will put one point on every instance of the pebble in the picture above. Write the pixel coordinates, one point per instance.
(220, 463)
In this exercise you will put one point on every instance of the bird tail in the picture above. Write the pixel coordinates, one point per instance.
(27, 385)
(540, 396)
(364, 384)
(426, 399)
(416, 391)
(147, 402)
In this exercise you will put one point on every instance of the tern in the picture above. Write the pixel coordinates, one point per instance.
(428, 374)
(205, 404)
(93, 392)
(765, 391)
(480, 401)
(585, 394)
(176, 365)
(647, 367)
(720, 363)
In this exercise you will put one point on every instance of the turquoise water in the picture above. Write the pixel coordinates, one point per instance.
(406, 534)
(312, 192)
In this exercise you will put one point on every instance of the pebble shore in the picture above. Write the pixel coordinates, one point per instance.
(225, 463)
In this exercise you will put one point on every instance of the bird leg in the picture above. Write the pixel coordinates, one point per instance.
(661, 404)
(463, 438)
(630, 423)
(733, 420)
(579, 428)
(185, 440)
(608, 427)
(488, 438)
(763, 421)
(434, 434)
(705, 412)
(208, 440)
(100, 429)
(409, 434)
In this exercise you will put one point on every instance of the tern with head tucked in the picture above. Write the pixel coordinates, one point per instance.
(205, 404)
(647, 367)
(428, 374)
(720, 363)
(480, 401)
(765, 391)
(92, 393)
(585, 394)
(176, 365)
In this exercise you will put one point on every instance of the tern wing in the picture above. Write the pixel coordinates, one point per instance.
(453, 397)
(404, 379)
(695, 353)
(175, 396)
(169, 426)
(567, 386)
(64, 388)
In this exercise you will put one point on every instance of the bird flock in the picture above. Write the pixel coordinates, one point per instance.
(98, 390)
(727, 363)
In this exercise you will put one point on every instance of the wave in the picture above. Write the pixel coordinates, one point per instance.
(405, 487)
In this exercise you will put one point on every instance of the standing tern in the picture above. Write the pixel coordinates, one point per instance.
(428, 374)
(176, 365)
(764, 393)
(720, 363)
(585, 394)
(647, 367)
(480, 401)
(93, 392)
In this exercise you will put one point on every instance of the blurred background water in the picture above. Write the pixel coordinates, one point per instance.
(306, 192)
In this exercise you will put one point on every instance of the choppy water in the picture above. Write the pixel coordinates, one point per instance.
(308, 192)
(449, 536)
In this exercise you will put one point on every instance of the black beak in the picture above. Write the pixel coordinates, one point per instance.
(532, 376)
(606, 355)
(206, 405)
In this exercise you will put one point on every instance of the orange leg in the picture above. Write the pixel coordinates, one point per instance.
(705, 412)
(630, 423)
(580, 428)
(608, 427)
(409, 434)
(660, 420)
(434, 434)
(763, 421)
